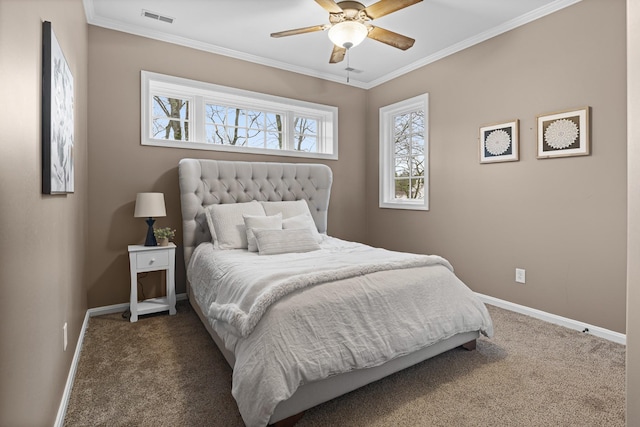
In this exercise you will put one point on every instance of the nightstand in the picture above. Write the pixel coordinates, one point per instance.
(152, 258)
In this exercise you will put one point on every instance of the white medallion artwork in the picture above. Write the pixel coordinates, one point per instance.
(561, 134)
(564, 134)
(499, 143)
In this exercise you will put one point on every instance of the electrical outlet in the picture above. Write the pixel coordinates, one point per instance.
(520, 275)
(64, 333)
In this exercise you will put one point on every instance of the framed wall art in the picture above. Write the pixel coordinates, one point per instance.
(563, 134)
(499, 143)
(57, 117)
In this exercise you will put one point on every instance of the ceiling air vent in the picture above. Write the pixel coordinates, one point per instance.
(157, 16)
(353, 70)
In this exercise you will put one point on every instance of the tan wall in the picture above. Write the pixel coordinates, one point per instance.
(43, 237)
(633, 251)
(563, 220)
(120, 167)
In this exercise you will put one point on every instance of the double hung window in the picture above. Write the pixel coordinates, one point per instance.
(404, 155)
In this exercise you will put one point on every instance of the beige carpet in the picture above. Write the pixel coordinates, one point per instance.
(166, 370)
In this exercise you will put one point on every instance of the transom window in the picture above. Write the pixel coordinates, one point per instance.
(185, 113)
(404, 155)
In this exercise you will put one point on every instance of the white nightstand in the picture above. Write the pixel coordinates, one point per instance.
(152, 258)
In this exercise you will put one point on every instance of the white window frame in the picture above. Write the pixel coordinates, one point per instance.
(202, 92)
(387, 153)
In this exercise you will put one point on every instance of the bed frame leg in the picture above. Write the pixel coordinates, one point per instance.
(471, 345)
(288, 422)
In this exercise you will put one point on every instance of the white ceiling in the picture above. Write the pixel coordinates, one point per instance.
(242, 28)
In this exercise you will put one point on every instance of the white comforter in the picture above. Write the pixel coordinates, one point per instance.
(288, 325)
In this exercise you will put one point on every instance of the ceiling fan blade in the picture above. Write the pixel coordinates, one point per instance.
(390, 38)
(330, 6)
(385, 7)
(337, 55)
(301, 31)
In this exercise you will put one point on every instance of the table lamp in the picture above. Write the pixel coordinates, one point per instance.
(150, 205)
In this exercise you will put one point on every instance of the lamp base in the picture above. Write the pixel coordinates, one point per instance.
(151, 238)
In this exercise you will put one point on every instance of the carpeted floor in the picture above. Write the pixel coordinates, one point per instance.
(166, 370)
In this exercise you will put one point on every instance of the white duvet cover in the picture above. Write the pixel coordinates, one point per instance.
(294, 318)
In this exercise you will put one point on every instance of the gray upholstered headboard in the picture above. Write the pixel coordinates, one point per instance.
(208, 182)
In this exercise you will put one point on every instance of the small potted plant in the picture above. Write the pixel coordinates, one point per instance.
(163, 235)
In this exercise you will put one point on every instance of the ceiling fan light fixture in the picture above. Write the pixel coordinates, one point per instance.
(348, 34)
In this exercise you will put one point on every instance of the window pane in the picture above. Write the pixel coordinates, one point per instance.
(274, 122)
(401, 124)
(170, 107)
(214, 134)
(254, 120)
(417, 145)
(305, 126)
(255, 139)
(305, 143)
(402, 167)
(274, 140)
(235, 137)
(215, 114)
(170, 130)
(170, 118)
(402, 188)
(417, 166)
(417, 188)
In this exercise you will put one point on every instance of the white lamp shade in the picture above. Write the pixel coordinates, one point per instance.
(348, 33)
(150, 205)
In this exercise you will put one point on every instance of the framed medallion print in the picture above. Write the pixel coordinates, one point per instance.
(499, 143)
(564, 134)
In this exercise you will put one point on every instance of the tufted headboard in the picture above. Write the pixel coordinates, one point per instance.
(207, 182)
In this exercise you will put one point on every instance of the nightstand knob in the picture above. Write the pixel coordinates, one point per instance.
(152, 261)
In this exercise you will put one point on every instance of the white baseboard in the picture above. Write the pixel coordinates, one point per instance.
(92, 312)
(597, 331)
(62, 410)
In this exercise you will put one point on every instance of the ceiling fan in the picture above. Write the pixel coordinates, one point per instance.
(349, 24)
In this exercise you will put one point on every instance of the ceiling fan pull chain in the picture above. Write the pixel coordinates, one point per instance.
(348, 66)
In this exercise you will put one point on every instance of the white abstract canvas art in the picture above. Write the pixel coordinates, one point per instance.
(57, 117)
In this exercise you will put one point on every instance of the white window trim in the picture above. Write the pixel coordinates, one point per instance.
(386, 163)
(200, 92)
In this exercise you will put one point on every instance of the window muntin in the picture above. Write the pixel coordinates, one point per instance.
(185, 113)
(404, 155)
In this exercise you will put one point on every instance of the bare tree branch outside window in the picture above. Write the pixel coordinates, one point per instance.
(170, 118)
(409, 155)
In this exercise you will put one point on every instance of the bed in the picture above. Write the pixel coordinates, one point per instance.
(300, 316)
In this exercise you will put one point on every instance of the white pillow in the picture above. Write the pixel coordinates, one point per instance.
(288, 209)
(228, 223)
(272, 242)
(302, 221)
(253, 222)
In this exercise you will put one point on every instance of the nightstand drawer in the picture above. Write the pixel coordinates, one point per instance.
(154, 259)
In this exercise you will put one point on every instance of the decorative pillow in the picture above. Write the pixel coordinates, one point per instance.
(212, 229)
(228, 223)
(302, 221)
(253, 222)
(272, 242)
(288, 209)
